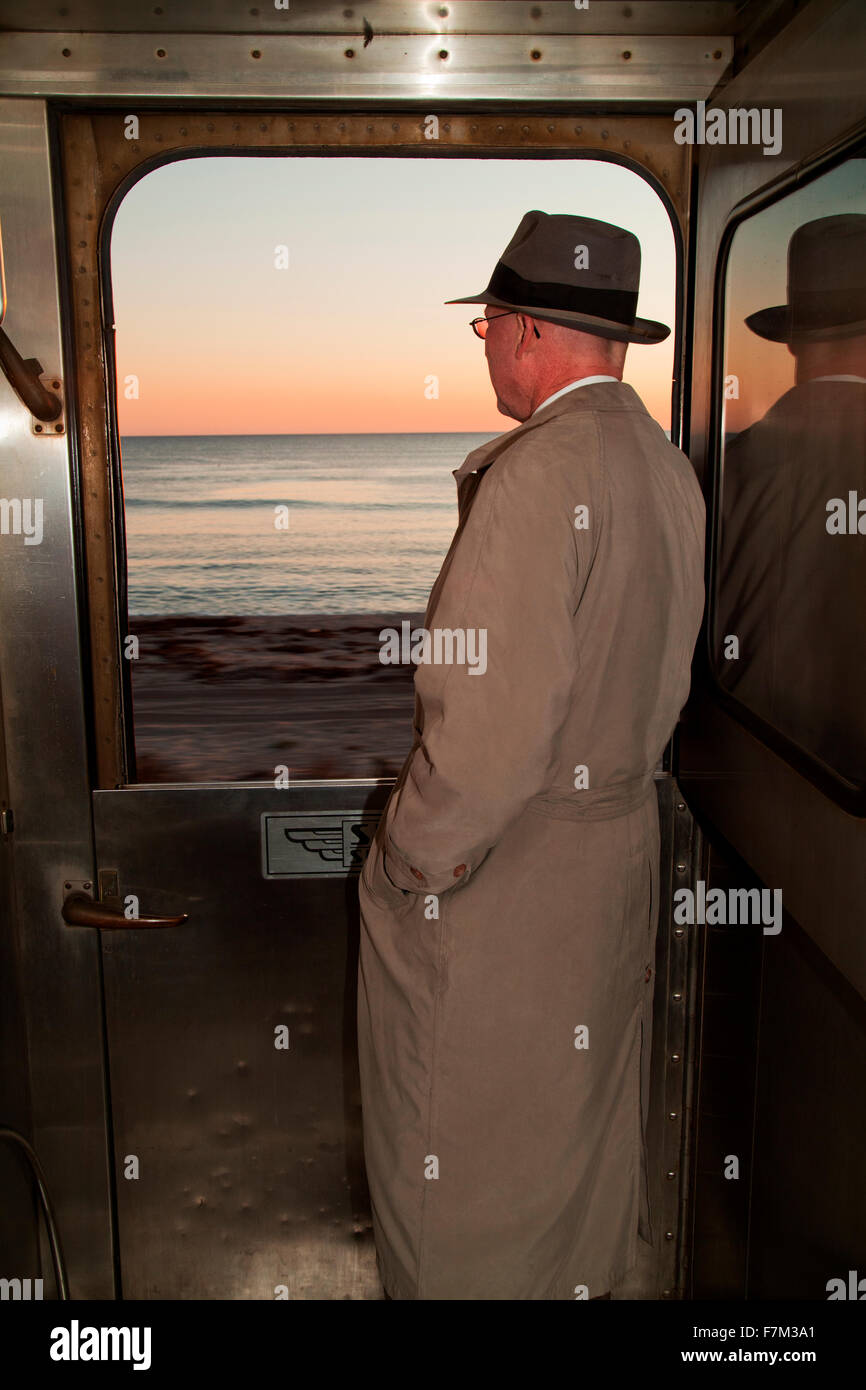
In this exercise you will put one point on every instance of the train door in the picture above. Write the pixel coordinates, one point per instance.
(230, 1043)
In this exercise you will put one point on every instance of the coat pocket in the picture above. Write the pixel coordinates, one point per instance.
(379, 886)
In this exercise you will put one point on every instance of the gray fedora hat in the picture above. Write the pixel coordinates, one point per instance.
(826, 283)
(574, 271)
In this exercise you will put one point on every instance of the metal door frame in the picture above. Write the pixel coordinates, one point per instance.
(99, 167)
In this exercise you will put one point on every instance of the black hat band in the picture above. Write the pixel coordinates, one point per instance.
(818, 308)
(620, 306)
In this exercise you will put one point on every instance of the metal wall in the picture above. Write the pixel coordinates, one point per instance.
(57, 974)
(783, 1021)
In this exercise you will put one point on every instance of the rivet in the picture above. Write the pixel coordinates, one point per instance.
(350, 53)
(681, 868)
(676, 996)
(535, 54)
(681, 805)
(626, 54)
(717, 55)
(679, 931)
(669, 1235)
(672, 1114)
(38, 429)
(256, 53)
(675, 1057)
(670, 1175)
(160, 53)
(67, 52)
(443, 52)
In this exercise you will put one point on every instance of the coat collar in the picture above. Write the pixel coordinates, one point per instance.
(601, 395)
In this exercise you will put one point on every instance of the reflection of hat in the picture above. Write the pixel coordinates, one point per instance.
(826, 283)
(574, 271)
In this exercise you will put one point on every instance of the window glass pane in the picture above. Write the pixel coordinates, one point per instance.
(293, 397)
(790, 638)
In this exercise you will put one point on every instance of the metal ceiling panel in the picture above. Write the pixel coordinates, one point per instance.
(501, 67)
(384, 17)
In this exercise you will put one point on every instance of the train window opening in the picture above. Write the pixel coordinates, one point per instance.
(287, 447)
(789, 629)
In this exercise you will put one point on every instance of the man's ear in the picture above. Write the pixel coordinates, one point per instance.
(528, 331)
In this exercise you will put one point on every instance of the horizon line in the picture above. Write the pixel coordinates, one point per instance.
(300, 434)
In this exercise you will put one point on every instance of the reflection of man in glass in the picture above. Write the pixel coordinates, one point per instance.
(791, 579)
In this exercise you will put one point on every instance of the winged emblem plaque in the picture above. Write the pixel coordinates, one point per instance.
(310, 844)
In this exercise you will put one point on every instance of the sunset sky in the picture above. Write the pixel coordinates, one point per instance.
(223, 342)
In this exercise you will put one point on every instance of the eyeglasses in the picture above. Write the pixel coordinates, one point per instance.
(475, 324)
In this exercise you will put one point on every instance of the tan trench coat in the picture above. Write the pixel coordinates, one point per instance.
(509, 902)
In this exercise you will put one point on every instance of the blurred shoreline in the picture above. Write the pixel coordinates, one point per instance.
(232, 698)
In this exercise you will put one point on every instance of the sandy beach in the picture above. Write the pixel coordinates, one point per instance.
(232, 698)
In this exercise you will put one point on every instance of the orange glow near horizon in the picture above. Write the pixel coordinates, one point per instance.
(349, 335)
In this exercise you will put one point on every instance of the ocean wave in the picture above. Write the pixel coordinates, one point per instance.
(210, 503)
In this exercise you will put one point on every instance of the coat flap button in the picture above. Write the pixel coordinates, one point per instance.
(461, 869)
(418, 874)
(647, 975)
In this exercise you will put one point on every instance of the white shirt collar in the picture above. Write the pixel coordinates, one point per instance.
(582, 381)
(838, 378)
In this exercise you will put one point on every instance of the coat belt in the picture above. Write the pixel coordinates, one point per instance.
(599, 803)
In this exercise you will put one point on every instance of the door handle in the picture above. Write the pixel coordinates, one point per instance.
(23, 377)
(79, 910)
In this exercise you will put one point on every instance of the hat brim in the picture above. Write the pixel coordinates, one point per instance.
(641, 331)
(775, 325)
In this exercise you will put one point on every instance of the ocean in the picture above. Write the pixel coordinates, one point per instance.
(370, 518)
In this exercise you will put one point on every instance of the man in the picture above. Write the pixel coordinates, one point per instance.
(792, 571)
(509, 901)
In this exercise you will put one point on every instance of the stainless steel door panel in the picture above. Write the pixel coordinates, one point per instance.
(249, 1180)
